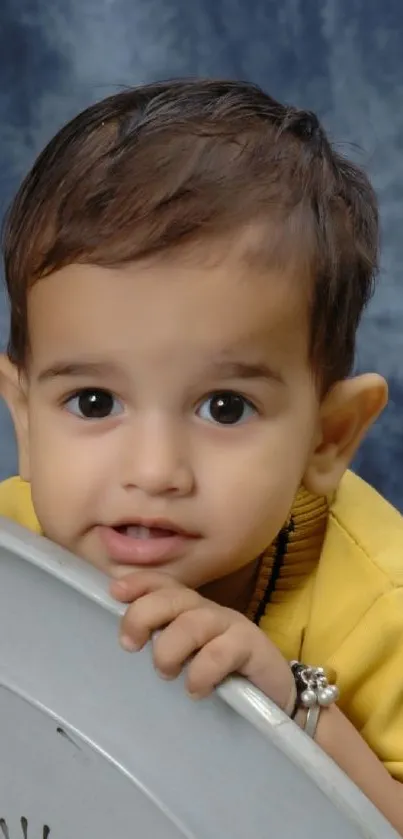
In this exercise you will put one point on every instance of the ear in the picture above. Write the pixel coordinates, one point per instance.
(346, 414)
(13, 391)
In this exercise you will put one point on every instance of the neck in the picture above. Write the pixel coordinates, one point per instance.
(235, 590)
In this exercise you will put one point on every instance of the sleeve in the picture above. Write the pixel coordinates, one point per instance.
(369, 668)
(16, 503)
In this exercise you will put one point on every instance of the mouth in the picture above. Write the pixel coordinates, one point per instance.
(150, 529)
(145, 543)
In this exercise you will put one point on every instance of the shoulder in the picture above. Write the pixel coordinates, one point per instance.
(371, 528)
(16, 503)
(357, 624)
(359, 576)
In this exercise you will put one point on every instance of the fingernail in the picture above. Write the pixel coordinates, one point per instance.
(194, 696)
(128, 644)
(166, 676)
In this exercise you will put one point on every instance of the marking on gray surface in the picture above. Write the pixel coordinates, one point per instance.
(24, 828)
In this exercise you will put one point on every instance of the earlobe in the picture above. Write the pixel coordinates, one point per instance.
(13, 392)
(347, 412)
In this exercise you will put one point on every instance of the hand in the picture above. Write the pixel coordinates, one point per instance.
(211, 640)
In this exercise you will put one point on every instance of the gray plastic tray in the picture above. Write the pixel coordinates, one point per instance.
(93, 745)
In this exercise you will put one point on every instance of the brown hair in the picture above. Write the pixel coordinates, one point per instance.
(155, 167)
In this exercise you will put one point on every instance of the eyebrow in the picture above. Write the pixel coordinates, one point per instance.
(71, 369)
(102, 369)
(245, 370)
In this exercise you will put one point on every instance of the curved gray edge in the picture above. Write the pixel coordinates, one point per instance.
(60, 563)
(77, 734)
(273, 724)
(237, 692)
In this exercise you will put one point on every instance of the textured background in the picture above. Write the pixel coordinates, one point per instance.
(342, 58)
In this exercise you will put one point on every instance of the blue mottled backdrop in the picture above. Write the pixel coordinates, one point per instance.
(342, 58)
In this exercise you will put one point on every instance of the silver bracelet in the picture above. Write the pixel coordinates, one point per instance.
(312, 719)
(314, 692)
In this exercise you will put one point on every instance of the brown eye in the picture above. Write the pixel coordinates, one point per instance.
(226, 408)
(94, 404)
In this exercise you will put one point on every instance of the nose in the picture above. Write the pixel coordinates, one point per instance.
(156, 459)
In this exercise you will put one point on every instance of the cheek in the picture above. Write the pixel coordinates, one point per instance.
(253, 508)
(64, 479)
(255, 484)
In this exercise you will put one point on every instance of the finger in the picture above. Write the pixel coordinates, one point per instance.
(225, 654)
(269, 671)
(139, 583)
(184, 636)
(153, 611)
(246, 650)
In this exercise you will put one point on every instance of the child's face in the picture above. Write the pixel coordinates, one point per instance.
(169, 394)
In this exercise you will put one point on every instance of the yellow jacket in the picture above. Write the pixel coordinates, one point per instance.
(330, 592)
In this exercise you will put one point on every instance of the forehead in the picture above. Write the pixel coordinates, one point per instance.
(191, 305)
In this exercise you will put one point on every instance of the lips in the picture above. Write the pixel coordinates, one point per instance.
(145, 542)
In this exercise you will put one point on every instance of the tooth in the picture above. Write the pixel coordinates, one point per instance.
(138, 531)
(144, 532)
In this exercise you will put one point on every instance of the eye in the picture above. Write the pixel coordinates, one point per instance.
(226, 408)
(94, 403)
